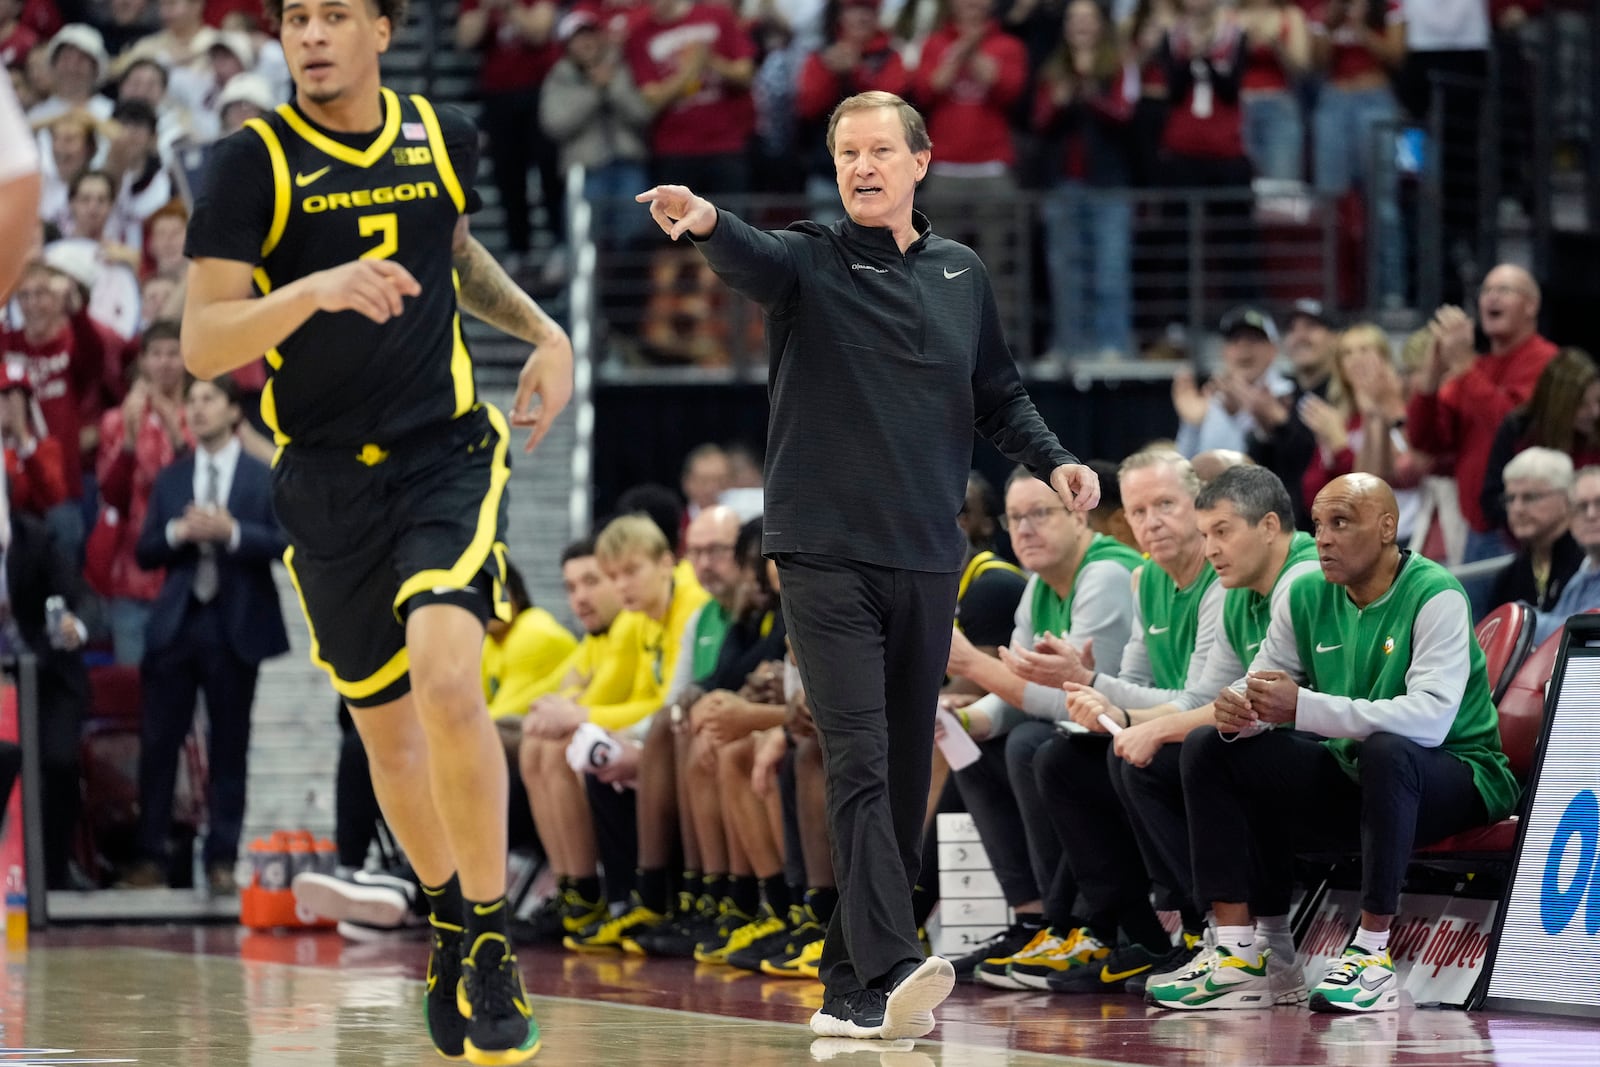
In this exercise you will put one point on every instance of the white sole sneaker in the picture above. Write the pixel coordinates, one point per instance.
(909, 1010)
(335, 898)
(825, 1025)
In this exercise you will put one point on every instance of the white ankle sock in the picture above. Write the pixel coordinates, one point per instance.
(1371, 941)
(1234, 938)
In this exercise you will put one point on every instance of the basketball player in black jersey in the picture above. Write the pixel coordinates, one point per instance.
(331, 236)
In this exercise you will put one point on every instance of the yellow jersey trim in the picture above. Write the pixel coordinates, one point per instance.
(359, 689)
(344, 154)
(466, 568)
(280, 185)
(441, 155)
(460, 357)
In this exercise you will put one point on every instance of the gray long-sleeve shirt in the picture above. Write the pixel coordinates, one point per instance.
(881, 363)
(1130, 687)
(1102, 609)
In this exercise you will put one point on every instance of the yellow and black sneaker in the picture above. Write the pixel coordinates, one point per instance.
(578, 914)
(730, 920)
(780, 940)
(804, 961)
(612, 934)
(447, 1027)
(500, 1027)
(695, 921)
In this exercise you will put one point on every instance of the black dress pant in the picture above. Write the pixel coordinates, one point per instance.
(1259, 800)
(872, 644)
(1152, 798)
(199, 660)
(1075, 779)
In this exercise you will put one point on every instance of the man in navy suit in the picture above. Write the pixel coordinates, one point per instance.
(211, 525)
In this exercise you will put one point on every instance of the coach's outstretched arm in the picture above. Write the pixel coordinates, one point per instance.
(226, 326)
(754, 263)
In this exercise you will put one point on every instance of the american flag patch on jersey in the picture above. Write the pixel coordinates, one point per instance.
(413, 131)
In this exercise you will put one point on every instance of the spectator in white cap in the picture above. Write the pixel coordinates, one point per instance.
(1221, 415)
(232, 55)
(245, 97)
(78, 64)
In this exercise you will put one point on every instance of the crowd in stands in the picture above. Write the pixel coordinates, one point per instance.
(1080, 100)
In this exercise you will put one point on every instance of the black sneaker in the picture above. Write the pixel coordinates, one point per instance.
(858, 1015)
(779, 941)
(915, 989)
(1113, 973)
(677, 938)
(1175, 962)
(500, 1026)
(1003, 945)
(543, 926)
(447, 1027)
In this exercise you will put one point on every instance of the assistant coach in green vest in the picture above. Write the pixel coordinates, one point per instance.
(1395, 744)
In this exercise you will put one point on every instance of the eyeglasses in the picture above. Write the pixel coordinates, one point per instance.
(1590, 506)
(709, 551)
(1511, 499)
(1502, 290)
(1035, 518)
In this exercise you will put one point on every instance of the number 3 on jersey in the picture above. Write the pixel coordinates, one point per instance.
(386, 226)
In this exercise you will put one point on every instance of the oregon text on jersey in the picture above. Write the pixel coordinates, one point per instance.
(384, 194)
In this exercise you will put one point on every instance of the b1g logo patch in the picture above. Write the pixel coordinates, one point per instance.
(416, 156)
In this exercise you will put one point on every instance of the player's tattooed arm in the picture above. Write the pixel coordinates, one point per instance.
(488, 292)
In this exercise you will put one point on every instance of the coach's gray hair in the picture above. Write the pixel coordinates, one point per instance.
(1162, 456)
(1255, 492)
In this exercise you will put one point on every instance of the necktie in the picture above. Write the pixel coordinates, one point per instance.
(205, 575)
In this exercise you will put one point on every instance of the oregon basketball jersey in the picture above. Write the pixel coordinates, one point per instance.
(342, 379)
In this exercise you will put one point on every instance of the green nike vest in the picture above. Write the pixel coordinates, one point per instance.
(711, 629)
(1364, 654)
(1171, 622)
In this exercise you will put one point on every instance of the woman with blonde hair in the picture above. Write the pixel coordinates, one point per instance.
(1361, 426)
(1561, 414)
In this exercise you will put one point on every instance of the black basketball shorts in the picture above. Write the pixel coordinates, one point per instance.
(376, 533)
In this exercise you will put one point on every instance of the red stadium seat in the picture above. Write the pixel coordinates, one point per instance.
(1506, 636)
(1521, 719)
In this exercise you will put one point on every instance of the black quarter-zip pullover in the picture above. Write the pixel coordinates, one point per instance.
(880, 365)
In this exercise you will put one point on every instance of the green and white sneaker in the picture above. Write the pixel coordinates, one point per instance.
(1219, 980)
(1358, 981)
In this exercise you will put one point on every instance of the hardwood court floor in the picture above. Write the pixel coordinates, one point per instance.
(212, 996)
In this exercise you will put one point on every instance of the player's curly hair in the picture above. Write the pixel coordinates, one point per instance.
(393, 10)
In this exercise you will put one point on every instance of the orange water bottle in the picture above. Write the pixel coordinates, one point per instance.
(16, 910)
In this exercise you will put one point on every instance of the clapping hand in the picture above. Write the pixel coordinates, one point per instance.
(1190, 401)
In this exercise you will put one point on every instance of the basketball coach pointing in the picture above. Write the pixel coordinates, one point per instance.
(885, 352)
